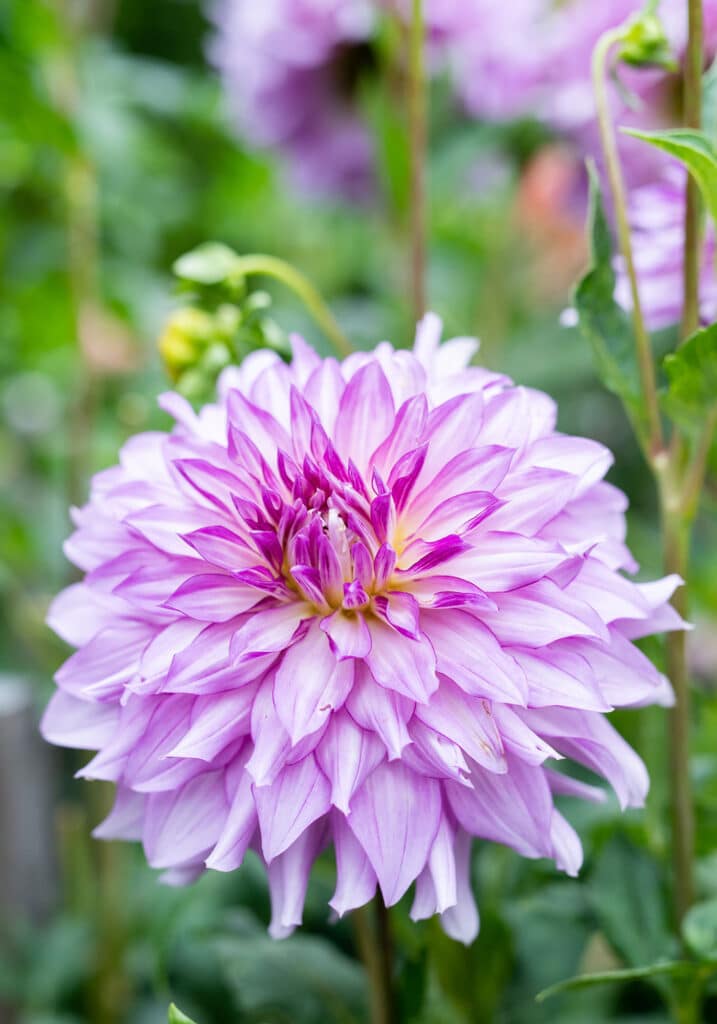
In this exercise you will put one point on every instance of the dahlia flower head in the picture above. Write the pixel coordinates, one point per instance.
(368, 605)
(657, 222)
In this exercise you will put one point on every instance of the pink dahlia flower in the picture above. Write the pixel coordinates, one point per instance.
(657, 221)
(366, 605)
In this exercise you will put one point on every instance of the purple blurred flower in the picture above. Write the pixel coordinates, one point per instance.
(363, 605)
(657, 221)
(289, 67)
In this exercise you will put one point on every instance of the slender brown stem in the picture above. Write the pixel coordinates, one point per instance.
(617, 187)
(373, 938)
(693, 119)
(417, 102)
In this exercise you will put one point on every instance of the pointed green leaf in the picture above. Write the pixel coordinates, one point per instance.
(177, 1017)
(692, 378)
(665, 968)
(603, 322)
(699, 930)
(695, 150)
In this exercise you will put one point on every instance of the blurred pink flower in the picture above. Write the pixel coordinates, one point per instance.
(364, 605)
(657, 222)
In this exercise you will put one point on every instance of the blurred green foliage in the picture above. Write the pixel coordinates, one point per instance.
(116, 157)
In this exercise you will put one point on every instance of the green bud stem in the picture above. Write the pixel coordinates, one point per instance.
(617, 187)
(271, 266)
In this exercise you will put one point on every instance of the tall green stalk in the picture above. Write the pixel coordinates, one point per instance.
(417, 109)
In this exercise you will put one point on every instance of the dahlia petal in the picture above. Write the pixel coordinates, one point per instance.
(204, 480)
(100, 669)
(265, 431)
(399, 610)
(385, 712)
(446, 592)
(567, 848)
(222, 547)
(365, 416)
(408, 668)
(457, 514)
(348, 633)
(500, 562)
(461, 922)
(611, 595)
(165, 527)
(624, 675)
(126, 819)
(355, 878)
(588, 460)
(467, 721)
(518, 416)
(540, 614)
(215, 722)
(453, 427)
(480, 468)
(269, 631)
(346, 755)
(564, 785)
(213, 598)
(71, 722)
(287, 807)
(519, 739)
(405, 435)
(305, 707)
(182, 826)
(238, 830)
(557, 675)
(514, 809)
(79, 613)
(530, 499)
(271, 740)
(432, 753)
(288, 876)
(382, 818)
(442, 866)
(469, 654)
(323, 391)
(590, 739)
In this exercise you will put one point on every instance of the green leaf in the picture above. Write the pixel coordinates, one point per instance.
(300, 980)
(695, 150)
(603, 322)
(177, 1017)
(670, 968)
(692, 378)
(699, 930)
(209, 263)
(629, 900)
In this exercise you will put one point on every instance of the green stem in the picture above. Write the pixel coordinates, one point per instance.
(417, 101)
(693, 119)
(617, 188)
(375, 947)
(676, 541)
(271, 266)
(695, 476)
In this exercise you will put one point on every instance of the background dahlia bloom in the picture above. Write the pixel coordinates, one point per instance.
(292, 70)
(366, 605)
(657, 222)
